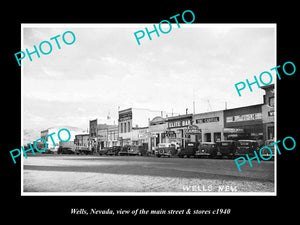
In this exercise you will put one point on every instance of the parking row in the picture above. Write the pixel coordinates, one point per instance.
(220, 149)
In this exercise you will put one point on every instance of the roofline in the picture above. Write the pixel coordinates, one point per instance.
(260, 104)
(222, 110)
(179, 117)
(267, 86)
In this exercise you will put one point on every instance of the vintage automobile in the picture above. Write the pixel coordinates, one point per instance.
(265, 152)
(114, 150)
(226, 148)
(65, 150)
(124, 150)
(130, 150)
(134, 150)
(189, 150)
(83, 150)
(165, 149)
(103, 151)
(207, 149)
(247, 147)
(143, 149)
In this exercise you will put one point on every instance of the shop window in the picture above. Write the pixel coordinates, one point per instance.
(128, 126)
(207, 137)
(217, 136)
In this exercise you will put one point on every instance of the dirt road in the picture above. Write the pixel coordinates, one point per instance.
(71, 173)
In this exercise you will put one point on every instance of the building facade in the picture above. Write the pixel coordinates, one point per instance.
(82, 141)
(177, 127)
(244, 123)
(268, 112)
(211, 125)
(102, 135)
(133, 125)
(93, 134)
(157, 132)
(112, 136)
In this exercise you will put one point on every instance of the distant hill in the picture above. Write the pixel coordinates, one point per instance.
(30, 135)
(70, 128)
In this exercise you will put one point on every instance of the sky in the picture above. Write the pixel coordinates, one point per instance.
(105, 69)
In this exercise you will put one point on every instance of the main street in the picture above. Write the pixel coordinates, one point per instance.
(72, 173)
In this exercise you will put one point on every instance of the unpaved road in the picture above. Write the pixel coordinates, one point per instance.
(70, 173)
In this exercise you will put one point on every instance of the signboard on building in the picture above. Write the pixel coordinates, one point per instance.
(192, 129)
(170, 134)
(233, 130)
(179, 123)
(125, 116)
(245, 117)
(208, 120)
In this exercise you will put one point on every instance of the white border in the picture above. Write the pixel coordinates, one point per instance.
(205, 25)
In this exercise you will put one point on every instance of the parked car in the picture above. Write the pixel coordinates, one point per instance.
(247, 147)
(130, 150)
(265, 152)
(226, 148)
(189, 150)
(65, 150)
(207, 149)
(114, 150)
(83, 150)
(134, 150)
(143, 149)
(103, 151)
(165, 149)
(124, 150)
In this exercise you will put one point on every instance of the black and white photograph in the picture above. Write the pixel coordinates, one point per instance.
(149, 112)
(162, 116)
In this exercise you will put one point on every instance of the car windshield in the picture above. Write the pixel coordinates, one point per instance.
(224, 143)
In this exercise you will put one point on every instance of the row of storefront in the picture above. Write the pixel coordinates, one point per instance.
(232, 124)
(150, 128)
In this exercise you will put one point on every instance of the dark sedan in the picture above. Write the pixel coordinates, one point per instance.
(207, 149)
(129, 150)
(226, 148)
(247, 147)
(103, 151)
(114, 150)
